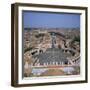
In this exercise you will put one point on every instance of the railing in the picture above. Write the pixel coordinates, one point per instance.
(53, 66)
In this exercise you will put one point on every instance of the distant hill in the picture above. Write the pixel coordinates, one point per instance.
(68, 32)
(43, 28)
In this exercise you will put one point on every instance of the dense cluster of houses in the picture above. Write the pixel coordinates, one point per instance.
(49, 48)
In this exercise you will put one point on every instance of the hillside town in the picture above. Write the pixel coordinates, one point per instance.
(51, 51)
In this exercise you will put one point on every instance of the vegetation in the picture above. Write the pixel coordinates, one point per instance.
(39, 35)
(27, 49)
(76, 39)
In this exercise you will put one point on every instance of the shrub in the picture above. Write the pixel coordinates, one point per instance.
(27, 49)
(76, 38)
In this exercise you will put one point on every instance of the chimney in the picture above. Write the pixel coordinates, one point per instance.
(56, 63)
(53, 63)
(38, 64)
(44, 64)
(26, 66)
(62, 63)
(50, 63)
(47, 63)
